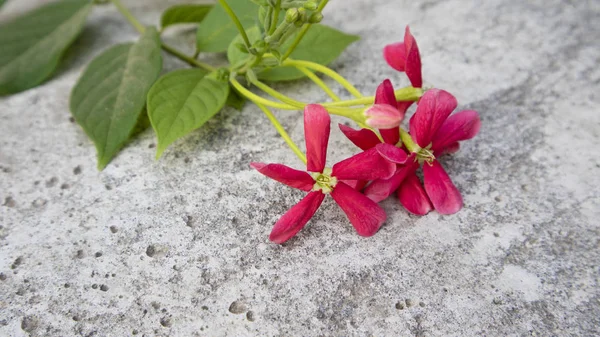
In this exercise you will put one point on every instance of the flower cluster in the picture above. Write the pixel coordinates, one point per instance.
(390, 159)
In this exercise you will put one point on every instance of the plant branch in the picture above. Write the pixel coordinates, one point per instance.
(302, 32)
(189, 60)
(236, 21)
(275, 18)
(327, 71)
(127, 14)
(403, 94)
(276, 94)
(282, 132)
(319, 82)
(257, 99)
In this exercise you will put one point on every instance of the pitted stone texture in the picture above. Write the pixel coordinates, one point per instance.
(182, 242)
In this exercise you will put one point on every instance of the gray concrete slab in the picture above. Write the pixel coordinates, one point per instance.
(178, 247)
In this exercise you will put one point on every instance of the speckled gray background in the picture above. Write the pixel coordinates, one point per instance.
(178, 247)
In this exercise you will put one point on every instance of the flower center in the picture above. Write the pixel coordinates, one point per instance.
(425, 155)
(324, 182)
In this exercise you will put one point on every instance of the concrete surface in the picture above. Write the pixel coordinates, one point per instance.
(179, 247)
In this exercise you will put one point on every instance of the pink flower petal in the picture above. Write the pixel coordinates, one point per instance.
(363, 138)
(316, 132)
(296, 217)
(404, 105)
(413, 60)
(380, 189)
(383, 116)
(391, 136)
(385, 94)
(364, 214)
(356, 184)
(395, 55)
(390, 152)
(460, 126)
(287, 175)
(368, 165)
(433, 109)
(452, 148)
(413, 197)
(444, 196)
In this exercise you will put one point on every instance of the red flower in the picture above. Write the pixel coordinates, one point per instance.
(367, 139)
(433, 132)
(404, 56)
(364, 214)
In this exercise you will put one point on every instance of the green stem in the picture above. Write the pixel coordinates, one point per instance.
(236, 21)
(127, 14)
(282, 132)
(288, 102)
(257, 99)
(318, 82)
(327, 71)
(276, 94)
(403, 94)
(340, 111)
(189, 60)
(302, 32)
(275, 18)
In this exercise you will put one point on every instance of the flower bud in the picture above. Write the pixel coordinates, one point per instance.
(383, 116)
(291, 15)
(310, 5)
(303, 14)
(315, 17)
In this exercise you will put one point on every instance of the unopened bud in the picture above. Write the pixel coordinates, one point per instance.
(383, 116)
(310, 5)
(303, 14)
(315, 17)
(291, 15)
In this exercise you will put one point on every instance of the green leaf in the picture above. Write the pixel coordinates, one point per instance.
(184, 14)
(32, 45)
(235, 100)
(110, 95)
(321, 44)
(235, 55)
(217, 30)
(182, 101)
(2, 2)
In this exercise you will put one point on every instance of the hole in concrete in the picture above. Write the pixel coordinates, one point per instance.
(237, 307)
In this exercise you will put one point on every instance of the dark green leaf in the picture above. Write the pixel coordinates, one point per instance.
(2, 2)
(217, 30)
(184, 14)
(111, 93)
(32, 45)
(321, 44)
(235, 100)
(182, 101)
